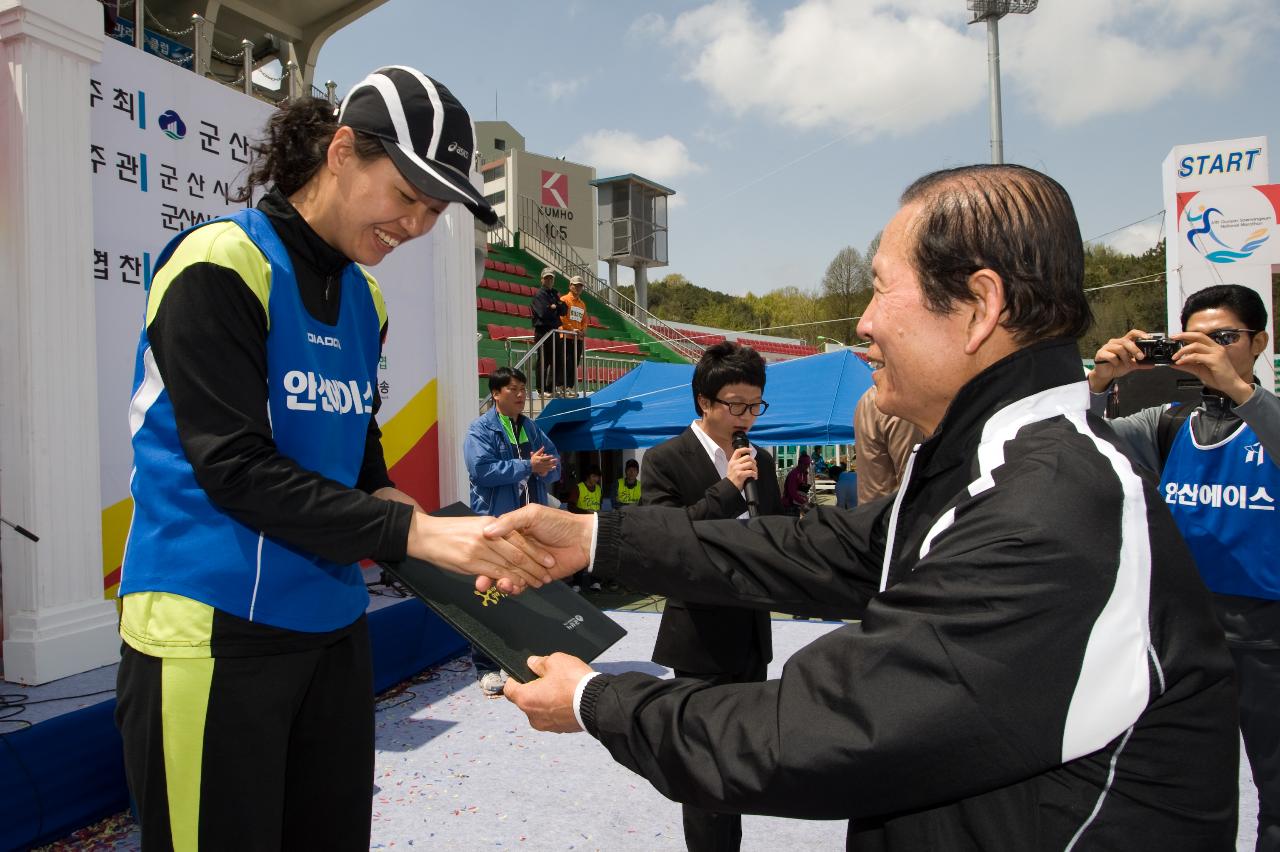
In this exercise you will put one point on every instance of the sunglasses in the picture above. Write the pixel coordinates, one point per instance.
(1228, 336)
(737, 409)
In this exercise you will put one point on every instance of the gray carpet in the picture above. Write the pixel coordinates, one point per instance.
(457, 769)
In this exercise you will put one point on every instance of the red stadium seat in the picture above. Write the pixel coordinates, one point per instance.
(489, 264)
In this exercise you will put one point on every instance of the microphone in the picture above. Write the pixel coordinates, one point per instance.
(748, 487)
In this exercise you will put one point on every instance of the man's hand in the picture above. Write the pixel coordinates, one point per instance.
(1210, 363)
(741, 468)
(461, 545)
(542, 461)
(548, 701)
(564, 535)
(1118, 357)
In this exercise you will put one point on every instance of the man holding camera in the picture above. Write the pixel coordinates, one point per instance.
(1219, 468)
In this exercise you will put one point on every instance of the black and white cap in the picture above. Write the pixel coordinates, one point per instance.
(425, 129)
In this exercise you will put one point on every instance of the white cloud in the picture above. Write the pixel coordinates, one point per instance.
(871, 67)
(619, 152)
(558, 90)
(855, 65)
(648, 25)
(1076, 61)
(1136, 238)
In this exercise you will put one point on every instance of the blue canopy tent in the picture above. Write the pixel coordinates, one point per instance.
(811, 401)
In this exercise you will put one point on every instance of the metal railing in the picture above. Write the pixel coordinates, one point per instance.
(557, 366)
(152, 35)
(532, 225)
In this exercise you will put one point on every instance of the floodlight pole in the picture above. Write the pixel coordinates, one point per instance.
(993, 75)
(992, 11)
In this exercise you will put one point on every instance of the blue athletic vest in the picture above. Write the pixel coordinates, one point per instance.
(1224, 501)
(320, 397)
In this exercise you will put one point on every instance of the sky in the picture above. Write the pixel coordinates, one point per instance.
(789, 129)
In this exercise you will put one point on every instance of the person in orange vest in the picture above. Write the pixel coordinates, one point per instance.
(574, 344)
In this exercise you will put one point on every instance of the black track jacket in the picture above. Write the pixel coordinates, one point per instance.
(1037, 666)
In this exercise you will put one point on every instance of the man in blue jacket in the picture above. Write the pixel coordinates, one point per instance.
(511, 463)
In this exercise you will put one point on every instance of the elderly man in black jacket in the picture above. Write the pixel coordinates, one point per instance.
(547, 309)
(1036, 664)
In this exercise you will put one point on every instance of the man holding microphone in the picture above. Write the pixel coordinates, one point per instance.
(713, 473)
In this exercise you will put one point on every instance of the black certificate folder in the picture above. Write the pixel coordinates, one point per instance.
(510, 628)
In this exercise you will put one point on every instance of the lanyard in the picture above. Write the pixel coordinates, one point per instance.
(511, 432)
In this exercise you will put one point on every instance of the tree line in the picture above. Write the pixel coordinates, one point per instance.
(830, 309)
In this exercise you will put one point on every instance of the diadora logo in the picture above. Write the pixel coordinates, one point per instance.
(1253, 453)
(172, 124)
(305, 390)
(454, 146)
(333, 342)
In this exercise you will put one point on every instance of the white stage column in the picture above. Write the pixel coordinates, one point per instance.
(56, 622)
(456, 270)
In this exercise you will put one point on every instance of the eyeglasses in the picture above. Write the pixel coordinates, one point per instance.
(737, 409)
(1228, 336)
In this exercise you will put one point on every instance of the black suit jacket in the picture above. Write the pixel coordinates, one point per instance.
(697, 637)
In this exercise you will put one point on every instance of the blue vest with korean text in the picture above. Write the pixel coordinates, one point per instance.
(1223, 498)
(320, 381)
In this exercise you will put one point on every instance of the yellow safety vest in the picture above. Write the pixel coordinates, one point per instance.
(588, 500)
(627, 495)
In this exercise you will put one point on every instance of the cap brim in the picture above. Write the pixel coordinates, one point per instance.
(440, 181)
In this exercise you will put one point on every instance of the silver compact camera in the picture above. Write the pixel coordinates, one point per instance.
(1158, 349)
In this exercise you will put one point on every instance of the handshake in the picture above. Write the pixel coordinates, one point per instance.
(528, 547)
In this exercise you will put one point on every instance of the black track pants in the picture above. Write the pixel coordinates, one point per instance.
(251, 753)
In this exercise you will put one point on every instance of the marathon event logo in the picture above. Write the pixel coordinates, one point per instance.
(1230, 225)
(306, 391)
(555, 189)
(172, 125)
